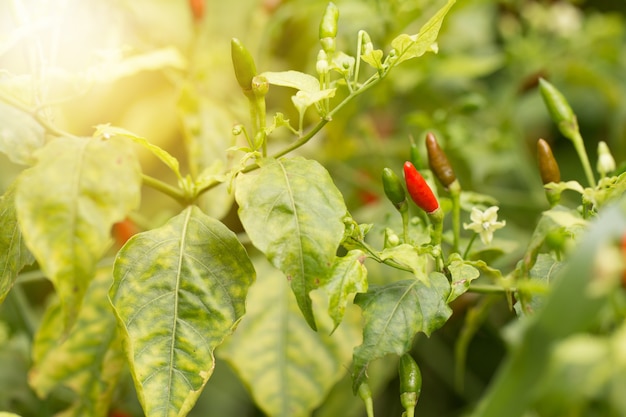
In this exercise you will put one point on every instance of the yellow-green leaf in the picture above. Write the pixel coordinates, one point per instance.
(288, 367)
(293, 213)
(413, 46)
(89, 360)
(348, 276)
(178, 291)
(14, 254)
(67, 203)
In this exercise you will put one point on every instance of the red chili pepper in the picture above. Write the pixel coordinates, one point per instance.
(624, 256)
(419, 190)
(124, 230)
(197, 9)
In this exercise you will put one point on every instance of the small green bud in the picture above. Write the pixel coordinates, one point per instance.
(328, 25)
(606, 162)
(260, 86)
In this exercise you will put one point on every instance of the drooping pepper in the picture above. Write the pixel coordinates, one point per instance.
(438, 162)
(419, 190)
(548, 167)
(410, 383)
(197, 9)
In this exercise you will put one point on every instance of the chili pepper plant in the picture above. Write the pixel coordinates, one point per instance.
(230, 272)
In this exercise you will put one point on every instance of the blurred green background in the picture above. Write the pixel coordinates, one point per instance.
(478, 95)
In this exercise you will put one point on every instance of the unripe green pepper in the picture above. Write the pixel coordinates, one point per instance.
(438, 162)
(410, 383)
(393, 188)
(548, 167)
(366, 395)
(559, 108)
(243, 63)
(328, 28)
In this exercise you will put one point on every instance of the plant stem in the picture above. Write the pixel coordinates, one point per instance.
(579, 145)
(455, 193)
(490, 289)
(469, 245)
(175, 193)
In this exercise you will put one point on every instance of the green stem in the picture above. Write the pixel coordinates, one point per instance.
(176, 193)
(24, 310)
(469, 245)
(490, 289)
(405, 223)
(579, 145)
(455, 193)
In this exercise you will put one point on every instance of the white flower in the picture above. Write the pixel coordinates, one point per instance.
(485, 223)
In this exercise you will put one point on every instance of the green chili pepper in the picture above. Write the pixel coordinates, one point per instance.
(438, 162)
(393, 188)
(410, 383)
(328, 27)
(548, 167)
(243, 63)
(558, 107)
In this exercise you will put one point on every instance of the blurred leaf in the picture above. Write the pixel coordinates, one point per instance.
(20, 135)
(293, 213)
(609, 188)
(207, 128)
(107, 131)
(570, 308)
(159, 59)
(178, 291)
(288, 367)
(394, 313)
(347, 277)
(14, 254)
(294, 79)
(89, 360)
(408, 47)
(66, 205)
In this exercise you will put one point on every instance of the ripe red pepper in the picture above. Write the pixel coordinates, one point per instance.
(419, 190)
(624, 256)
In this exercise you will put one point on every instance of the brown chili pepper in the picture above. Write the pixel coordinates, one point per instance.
(438, 162)
(548, 167)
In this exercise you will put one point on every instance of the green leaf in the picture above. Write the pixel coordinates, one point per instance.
(293, 213)
(609, 188)
(393, 314)
(407, 255)
(5, 414)
(107, 132)
(89, 360)
(463, 273)
(67, 204)
(348, 276)
(20, 135)
(178, 291)
(373, 58)
(14, 255)
(408, 47)
(294, 79)
(288, 367)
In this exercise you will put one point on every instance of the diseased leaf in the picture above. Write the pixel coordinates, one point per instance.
(348, 276)
(407, 255)
(408, 47)
(20, 135)
(66, 205)
(14, 254)
(178, 291)
(393, 314)
(293, 213)
(288, 367)
(89, 360)
(463, 273)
